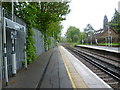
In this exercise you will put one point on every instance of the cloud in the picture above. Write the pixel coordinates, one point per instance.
(89, 11)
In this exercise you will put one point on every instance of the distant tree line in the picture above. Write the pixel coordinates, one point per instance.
(115, 22)
(73, 34)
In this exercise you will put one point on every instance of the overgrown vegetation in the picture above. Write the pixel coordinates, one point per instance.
(45, 17)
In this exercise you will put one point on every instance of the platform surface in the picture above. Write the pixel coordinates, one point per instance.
(90, 78)
(106, 48)
(56, 68)
(55, 76)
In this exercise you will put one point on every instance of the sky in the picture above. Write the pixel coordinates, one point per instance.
(92, 12)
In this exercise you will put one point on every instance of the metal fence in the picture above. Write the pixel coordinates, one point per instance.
(39, 41)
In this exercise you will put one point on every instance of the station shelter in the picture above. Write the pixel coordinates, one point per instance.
(13, 46)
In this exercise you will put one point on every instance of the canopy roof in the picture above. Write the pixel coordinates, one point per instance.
(13, 25)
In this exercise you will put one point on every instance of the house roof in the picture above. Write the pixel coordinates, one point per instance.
(100, 32)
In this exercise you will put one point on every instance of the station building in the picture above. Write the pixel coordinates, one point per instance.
(106, 36)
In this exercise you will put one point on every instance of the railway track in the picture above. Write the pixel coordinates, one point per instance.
(110, 73)
(110, 58)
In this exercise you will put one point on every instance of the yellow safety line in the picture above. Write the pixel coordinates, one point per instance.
(68, 72)
(73, 84)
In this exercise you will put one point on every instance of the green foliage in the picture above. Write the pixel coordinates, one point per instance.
(30, 48)
(83, 36)
(73, 34)
(63, 40)
(44, 16)
(115, 22)
(23, 63)
(28, 14)
(109, 43)
(51, 15)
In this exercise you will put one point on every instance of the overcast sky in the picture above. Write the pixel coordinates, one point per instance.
(84, 12)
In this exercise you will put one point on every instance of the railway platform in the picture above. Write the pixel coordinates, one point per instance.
(105, 48)
(57, 68)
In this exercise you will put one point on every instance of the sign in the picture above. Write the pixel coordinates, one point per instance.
(13, 35)
(13, 25)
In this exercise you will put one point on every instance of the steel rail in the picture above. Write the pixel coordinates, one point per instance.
(118, 61)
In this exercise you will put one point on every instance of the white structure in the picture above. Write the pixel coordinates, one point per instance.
(119, 6)
(89, 32)
(0, 47)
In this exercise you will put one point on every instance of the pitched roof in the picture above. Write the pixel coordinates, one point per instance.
(98, 32)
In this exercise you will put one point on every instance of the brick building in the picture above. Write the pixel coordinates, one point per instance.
(105, 36)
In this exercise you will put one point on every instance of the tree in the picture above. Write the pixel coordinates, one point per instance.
(52, 12)
(83, 36)
(115, 22)
(73, 34)
(45, 17)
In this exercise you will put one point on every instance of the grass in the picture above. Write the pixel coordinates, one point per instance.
(77, 44)
(109, 44)
(93, 44)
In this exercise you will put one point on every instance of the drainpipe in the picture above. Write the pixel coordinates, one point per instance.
(5, 50)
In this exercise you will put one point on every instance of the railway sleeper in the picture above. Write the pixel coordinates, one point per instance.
(113, 83)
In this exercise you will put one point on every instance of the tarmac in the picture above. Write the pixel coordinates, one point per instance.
(56, 68)
(48, 71)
